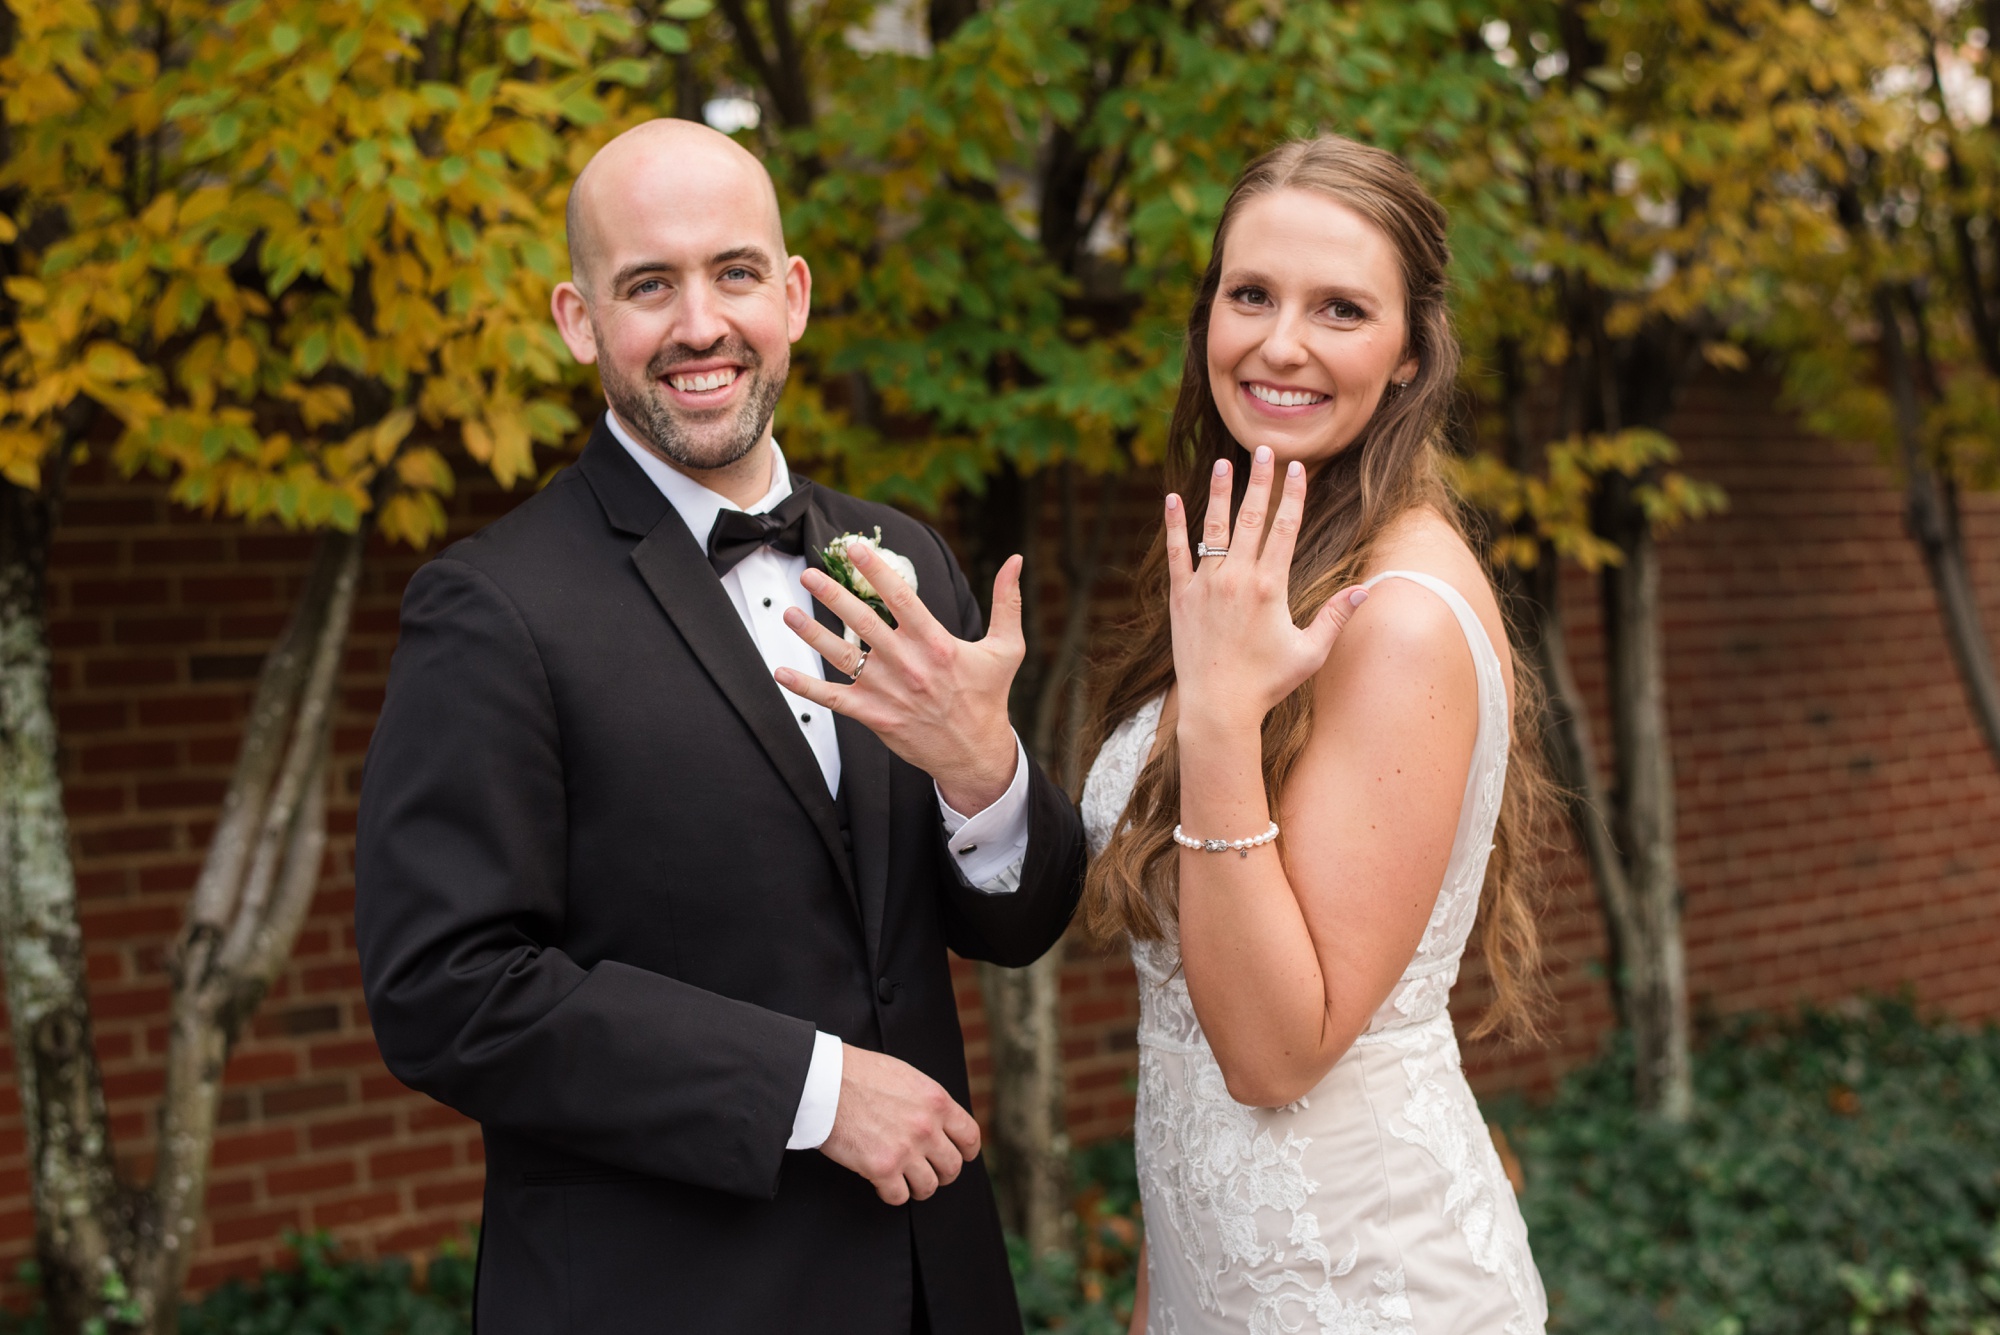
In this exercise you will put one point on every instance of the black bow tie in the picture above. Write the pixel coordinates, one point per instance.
(736, 534)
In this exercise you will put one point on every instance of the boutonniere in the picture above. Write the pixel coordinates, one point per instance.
(841, 568)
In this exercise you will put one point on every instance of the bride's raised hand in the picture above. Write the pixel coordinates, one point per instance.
(1237, 651)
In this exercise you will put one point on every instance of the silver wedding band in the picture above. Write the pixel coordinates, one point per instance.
(1203, 549)
(859, 663)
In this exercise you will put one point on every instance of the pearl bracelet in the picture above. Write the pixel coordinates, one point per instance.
(1241, 847)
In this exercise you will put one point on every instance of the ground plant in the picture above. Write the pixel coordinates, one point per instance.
(1841, 1173)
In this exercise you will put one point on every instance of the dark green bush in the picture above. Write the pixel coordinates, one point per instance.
(1088, 1290)
(1841, 1174)
(327, 1294)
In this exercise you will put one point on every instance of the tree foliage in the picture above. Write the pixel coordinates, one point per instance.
(289, 247)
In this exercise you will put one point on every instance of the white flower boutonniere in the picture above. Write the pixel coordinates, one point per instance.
(842, 569)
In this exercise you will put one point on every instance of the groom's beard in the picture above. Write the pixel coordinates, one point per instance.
(691, 441)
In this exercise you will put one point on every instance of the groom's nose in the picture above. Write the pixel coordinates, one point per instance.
(697, 317)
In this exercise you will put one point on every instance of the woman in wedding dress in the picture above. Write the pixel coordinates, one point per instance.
(1301, 803)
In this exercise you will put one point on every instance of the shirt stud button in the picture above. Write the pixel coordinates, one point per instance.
(805, 718)
(969, 848)
(767, 602)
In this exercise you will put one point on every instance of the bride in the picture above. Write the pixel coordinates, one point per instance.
(1299, 828)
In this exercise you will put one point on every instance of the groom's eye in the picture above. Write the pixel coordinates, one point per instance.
(737, 274)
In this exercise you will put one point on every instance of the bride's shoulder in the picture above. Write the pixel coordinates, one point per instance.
(1424, 541)
(1406, 638)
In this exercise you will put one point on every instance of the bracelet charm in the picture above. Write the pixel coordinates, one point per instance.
(1240, 847)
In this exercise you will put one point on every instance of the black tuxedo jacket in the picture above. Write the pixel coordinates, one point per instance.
(603, 900)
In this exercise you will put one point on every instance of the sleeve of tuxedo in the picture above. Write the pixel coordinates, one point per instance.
(459, 900)
(1014, 929)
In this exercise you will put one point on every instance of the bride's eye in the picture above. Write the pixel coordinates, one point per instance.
(1345, 311)
(1250, 296)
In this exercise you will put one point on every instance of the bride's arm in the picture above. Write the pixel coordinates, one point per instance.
(1287, 958)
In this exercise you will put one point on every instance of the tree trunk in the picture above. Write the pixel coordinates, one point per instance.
(113, 1257)
(1028, 1138)
(255, 889)
(1627, 833)
(1027, 1144)
(1931, 515)
(83, 1231)
(1652, 956)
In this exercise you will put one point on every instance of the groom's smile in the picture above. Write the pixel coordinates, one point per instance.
(705, 386)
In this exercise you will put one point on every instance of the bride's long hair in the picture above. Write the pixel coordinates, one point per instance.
(1391, 467)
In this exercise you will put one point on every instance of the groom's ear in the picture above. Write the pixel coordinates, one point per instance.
(798, 297)
(572, 314)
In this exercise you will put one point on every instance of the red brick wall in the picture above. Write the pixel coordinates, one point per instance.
(1840, 818)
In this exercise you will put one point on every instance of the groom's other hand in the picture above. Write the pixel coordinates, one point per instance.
(937, 701)
(898, 1128)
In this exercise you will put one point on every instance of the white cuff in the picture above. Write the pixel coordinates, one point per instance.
(988, 849)
(821, 1099)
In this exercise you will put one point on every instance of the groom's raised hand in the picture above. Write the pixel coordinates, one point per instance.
(898, 1128)
(937, 701)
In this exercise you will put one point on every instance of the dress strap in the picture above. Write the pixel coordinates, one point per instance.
(1485, 660)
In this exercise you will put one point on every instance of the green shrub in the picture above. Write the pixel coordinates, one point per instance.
(1841, 1173)
(326, 1294)
(1087, 1290)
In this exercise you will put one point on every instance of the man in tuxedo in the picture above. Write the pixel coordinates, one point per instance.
(656, 872)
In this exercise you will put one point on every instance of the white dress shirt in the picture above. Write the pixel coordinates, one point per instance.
(990, 846)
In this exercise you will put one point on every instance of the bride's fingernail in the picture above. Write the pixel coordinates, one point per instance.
(1173, 502)
(1294, 468)
(1358, 597)
(1263, 454)
(1221, 467)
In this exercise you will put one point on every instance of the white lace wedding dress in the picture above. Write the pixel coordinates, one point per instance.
(1374, 1204)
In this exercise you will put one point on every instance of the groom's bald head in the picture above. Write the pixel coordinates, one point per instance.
(661, 168)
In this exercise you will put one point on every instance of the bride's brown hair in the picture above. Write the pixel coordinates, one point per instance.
(1392, 467)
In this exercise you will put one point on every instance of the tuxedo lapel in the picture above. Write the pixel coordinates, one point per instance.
(864, 760)
(676, 569)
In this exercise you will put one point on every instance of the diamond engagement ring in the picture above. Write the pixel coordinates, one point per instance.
(1203, 549)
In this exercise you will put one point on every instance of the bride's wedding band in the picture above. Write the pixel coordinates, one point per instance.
(1203, 549)
(859, 663)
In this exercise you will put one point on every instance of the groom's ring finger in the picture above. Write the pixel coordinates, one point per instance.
(845, 656)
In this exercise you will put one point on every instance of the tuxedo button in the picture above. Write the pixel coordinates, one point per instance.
(885, 990)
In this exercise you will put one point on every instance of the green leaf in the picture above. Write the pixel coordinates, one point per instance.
(582, 107)
(670, 37)
(631, 73)
(688, 10)
(519, 44)
(226, 247)
(285, 38)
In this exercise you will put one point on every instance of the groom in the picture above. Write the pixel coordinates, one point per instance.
(655, 873)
